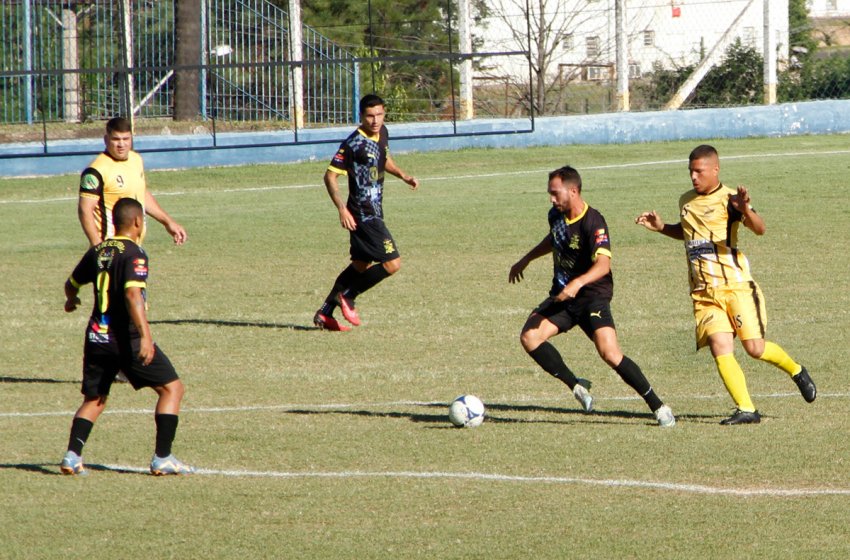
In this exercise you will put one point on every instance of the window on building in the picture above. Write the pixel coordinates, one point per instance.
(649, 38)
(597, 73)
(634, 71)
(567, 41)
(593, 47)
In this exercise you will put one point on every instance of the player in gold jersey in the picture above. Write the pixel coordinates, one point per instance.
(115, 174)
(727, 301)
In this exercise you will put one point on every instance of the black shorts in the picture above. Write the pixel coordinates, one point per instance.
(102, 362)
(589, 314)
(372, 242)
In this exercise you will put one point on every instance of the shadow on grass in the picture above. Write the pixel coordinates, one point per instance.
(498, 413)
(224, 323)
(52, 469)
(11, 379)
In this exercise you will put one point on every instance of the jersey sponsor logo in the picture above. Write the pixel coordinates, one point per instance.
(389, 248)
(597, 314)
(697, 248)
(574, 241)
(119, 180)
(140, 267)
(89, 182)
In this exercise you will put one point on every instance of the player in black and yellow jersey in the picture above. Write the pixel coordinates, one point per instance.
(118, 338)
(726, 300)
(117, 173)
(363, 158)
(582, 288)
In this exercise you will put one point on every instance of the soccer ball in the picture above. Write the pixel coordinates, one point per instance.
(466, 411)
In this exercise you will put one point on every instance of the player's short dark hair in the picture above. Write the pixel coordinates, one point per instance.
(125, 211)
(370, 100)
(702, 151)
(568, 175)
(118, 124)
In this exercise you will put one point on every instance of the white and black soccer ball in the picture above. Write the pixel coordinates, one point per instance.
(466, 411)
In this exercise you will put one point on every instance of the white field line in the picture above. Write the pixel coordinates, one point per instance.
(385, 404)
(767, 492)
(460, 177)
(492, 477)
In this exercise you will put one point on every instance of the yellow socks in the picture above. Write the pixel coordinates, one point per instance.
(774, 354)
(733, 378)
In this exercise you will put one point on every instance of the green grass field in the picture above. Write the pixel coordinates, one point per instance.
(336, 445)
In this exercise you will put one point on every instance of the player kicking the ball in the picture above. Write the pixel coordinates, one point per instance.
(363, 157)
(581, 294)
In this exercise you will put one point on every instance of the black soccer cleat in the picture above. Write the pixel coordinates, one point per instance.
(806, 385)
(742, 417)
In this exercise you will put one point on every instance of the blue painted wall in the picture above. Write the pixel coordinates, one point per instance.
(816, 117)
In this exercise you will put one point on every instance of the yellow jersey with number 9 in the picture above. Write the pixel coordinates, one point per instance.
(108, 180)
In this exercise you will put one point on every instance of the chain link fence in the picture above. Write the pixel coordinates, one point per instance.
(67, 65)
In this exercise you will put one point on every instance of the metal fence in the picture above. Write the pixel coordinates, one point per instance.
(87, 60)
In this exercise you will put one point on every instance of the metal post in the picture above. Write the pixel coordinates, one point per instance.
(28, 24)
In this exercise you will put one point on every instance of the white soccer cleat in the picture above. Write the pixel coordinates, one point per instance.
(583, 397)
(665, 417)
(169, 465)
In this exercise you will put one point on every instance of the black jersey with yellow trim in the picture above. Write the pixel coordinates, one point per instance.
(362, 159)
(112, 267)
(576, 244)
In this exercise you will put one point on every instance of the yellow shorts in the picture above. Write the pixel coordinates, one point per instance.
(737, 308)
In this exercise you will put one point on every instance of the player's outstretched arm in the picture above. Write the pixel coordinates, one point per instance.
(543, 248)
(749, 217)
(393, 169)
(155, 211)
(653, 222)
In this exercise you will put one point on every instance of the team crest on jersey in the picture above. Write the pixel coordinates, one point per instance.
(601, 236)
(88, 182)
(388, 246)
(140, 267)
(574, 241)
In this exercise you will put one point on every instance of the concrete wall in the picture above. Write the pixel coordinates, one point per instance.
(176, 152)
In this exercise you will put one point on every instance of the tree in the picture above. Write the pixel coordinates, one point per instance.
(187, 53)
(551, 22)
(738, 80)
(415, 36)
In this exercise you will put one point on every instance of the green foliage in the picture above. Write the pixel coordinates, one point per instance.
(417, 29)
(819, 78)
(737, 80)
(800, 40)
